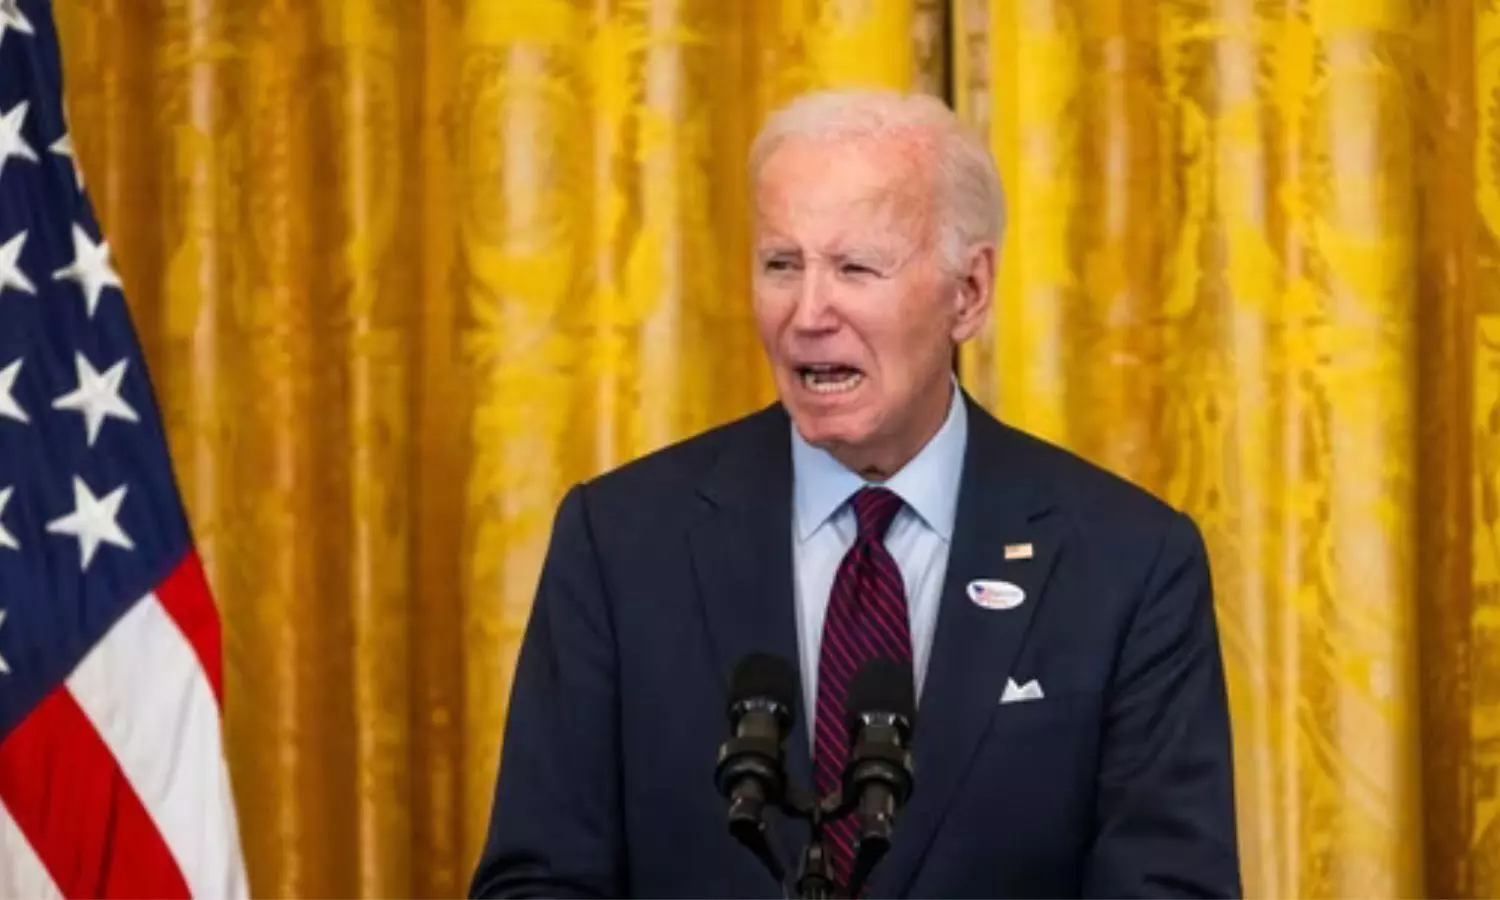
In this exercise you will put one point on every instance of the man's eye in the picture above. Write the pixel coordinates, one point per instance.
(856, 269)
(778, 265)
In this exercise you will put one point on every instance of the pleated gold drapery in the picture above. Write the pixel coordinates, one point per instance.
(406, 270)
(1251, 265)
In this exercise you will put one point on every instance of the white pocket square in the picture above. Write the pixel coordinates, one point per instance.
(1021, 693)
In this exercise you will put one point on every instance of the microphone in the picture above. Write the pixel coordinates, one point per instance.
(751, 771)
(881, 712)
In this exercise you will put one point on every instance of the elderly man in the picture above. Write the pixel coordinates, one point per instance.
(1057, 624)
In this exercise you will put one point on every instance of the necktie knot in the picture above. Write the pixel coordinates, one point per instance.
(874, 509)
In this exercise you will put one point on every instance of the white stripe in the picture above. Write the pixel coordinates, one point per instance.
(150, 701)
(21, 871)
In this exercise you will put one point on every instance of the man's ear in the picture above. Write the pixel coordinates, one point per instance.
(974, 293)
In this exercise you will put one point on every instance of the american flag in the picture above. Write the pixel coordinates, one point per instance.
(112, 775)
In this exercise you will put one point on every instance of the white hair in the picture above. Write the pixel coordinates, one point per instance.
(971, 202)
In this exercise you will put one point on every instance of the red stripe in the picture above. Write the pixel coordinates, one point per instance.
(826, 734)
(892, 594)
(839, 842)
(866, 646)
(832, 683)
(843, 584)
(826, 751)
(831, 736)
(885, 564)
(829, 776)
(61, 784)
(829, 732)
(186, 598)
(830, 770)
(874, 509)
(895, 646)
(842, 832)
(836, 661)
(884, 567)
(829, 766)
(840, 622)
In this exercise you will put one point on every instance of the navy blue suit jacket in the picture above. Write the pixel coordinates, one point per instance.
(665, 572)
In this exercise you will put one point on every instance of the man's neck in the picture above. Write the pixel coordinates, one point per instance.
(881, 462)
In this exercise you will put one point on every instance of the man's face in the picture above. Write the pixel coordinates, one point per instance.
(852, 300)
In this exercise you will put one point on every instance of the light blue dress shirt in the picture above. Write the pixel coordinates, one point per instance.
(823, 530)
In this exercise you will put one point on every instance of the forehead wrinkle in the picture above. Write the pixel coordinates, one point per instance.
(900, 164)
(893, 214)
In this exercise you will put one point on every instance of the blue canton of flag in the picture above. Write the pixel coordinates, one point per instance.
(112, 779)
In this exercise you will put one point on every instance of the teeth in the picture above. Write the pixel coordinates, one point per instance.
(817, 379)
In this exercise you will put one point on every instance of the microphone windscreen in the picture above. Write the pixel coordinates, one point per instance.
(880, 686)
(764, 675)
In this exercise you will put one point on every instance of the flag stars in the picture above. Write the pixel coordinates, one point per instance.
(9, 408)
(98, 396)
(12, 17)
(11, 141)
(4, 669)
(11, 275)
(63, 147)
(90, 269)
(7, 540)
(93, 521)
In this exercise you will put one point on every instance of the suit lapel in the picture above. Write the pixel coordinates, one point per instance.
(1000, 503)
(741, 551)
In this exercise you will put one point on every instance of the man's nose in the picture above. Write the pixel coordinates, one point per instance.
(814, 307)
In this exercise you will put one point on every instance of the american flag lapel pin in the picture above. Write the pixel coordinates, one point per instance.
(1019, 551)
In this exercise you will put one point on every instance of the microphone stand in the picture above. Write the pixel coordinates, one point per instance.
(815, 879)
(876, 781)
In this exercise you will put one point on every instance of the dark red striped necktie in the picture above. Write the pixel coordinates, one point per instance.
(866, 620)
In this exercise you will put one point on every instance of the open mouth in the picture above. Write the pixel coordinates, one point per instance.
(830, 378)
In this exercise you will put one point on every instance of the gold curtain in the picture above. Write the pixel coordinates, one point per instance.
(404, 271)
(1253, 268)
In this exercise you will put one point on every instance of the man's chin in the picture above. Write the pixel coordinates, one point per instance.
(833, 432)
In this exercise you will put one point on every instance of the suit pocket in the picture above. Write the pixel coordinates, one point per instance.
(1052, 711)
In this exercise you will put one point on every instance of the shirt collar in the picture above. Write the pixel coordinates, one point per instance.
(928, 483)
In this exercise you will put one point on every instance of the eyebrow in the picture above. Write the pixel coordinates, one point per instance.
(883, 256)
